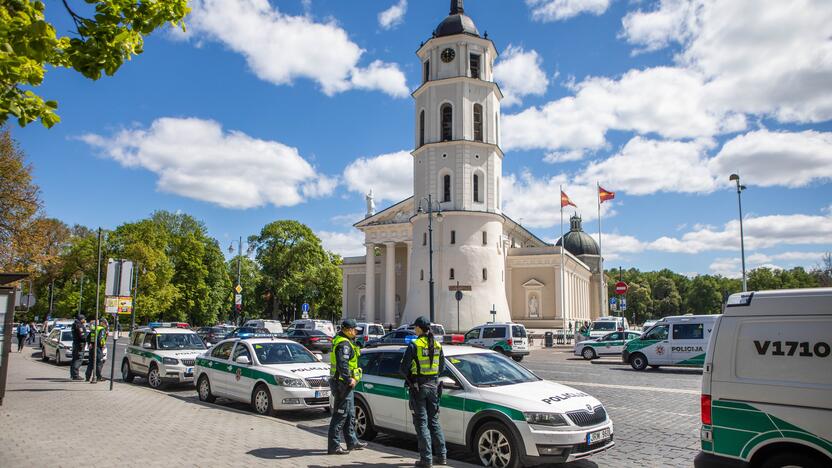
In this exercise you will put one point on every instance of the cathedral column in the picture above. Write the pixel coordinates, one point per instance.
(409, 265)
(344, 296)
(390, 284)
(370, 283)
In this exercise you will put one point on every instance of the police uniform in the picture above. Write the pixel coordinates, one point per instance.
(421, 365)
(97, 339)
(343, 366)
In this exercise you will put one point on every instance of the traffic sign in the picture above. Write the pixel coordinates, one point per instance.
(623, 303)
(457, 287)
(613, 301)
(238, 299)
(305, 307)
(458, 296)
(238, 289)
(621, 288)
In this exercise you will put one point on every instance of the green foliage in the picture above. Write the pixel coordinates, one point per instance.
(250, 280)
(28, 44)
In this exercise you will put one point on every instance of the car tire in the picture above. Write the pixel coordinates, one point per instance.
(261, 400)
(496, 435)
(517, 358)
(154, 378)
(364, 427)
(802, 460)
(638, 361)
(588, 353)
(127, 374)
(203, 390)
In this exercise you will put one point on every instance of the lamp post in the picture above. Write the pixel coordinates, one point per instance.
(239, 308)
(740, 188)
(430, 210)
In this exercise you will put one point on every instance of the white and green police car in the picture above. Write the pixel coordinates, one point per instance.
(270, 374)
(672, 341)
(497, 409)
(164, 355)
(507, 338)
(609, 344)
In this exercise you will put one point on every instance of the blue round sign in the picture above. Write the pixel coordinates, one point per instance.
(304, 307)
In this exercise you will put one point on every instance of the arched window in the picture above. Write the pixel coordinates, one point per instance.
(421, 275)
(452, 274)
(477, 188)
(477, 122)
(484, 274)
(422, 128)
(447, 116)
(446, 188)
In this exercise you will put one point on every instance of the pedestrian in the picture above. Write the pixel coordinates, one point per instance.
(97, 339)
(32, 332)
(22, 333)
(79, 328)
(344, 376)
(421, 365)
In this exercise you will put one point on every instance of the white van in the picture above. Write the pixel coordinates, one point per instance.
(604, 325)
(309, 324)
(368, 331)
(273, 326)
(672, 341)
(767, 382)
(507, 338)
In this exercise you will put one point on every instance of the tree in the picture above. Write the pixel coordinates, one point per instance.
(823, 271)
(704, 296)
(112, 34)
(763, 278)
(666, 298)
(19, 205)
(250, 280)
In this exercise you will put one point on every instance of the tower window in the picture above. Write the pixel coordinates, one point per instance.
(485, 274)
(424, 238)
(475, 66)
(421, 275)
(453, 237)
(477, 122)
(485, 238)
(451, 276)
(422, 128)
(446, 188)
(426, 71)
(447, 122)
(477, 188)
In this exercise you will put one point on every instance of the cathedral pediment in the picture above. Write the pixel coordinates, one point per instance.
(400, 213)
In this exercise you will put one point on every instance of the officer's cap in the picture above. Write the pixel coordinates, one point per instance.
(422, 322)
(348, 323)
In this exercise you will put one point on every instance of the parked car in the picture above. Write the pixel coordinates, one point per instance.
(437, 329)
(273, 326)
(604, 325)
(368, 331)
(309, 324)
(507, 338)
(395, 337)
(648, 325)
(314, 340)
(609, 344)
(58, 346)
(249, 332)
(213, 335)
(673, 341)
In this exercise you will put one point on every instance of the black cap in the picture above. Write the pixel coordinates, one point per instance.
(422, 322)
(348, 323)
(80, 317)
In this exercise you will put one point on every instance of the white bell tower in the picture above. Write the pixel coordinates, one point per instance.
(458, 162)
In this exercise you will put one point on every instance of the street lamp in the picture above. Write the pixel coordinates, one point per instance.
(740, 188)
(430, 210)
(239, 265)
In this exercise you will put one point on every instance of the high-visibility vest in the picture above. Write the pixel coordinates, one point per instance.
(355, 372)
(102, 336)
(422, 364)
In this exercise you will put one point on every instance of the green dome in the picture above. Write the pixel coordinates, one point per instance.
(577, 241)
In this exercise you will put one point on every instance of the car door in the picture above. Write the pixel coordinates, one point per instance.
(50, 346)
(385, 392)
(452, 414)
(219, 368)
(240, 385)
(473, 337)
(657, 345)
(519, 338)
(494, 336)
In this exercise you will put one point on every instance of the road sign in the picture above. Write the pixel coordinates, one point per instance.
(457, 287)
(621, 288)
(238, 289)
(623, 303)
(458, 296)
(238, 299)
(305, 307)
(612, 301)
(119, 278)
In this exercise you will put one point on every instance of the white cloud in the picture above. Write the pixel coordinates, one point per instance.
(393, 16)
(347, 220)
(345, 244)
(766, 158)
(731, 267)
(197, 159)
(281, 48)
(655, 29)
(390, 176)
(519, 74)
(556, 10)
(555, 157)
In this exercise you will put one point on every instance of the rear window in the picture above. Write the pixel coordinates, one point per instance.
(518, 331)
(388, 365)
(604, 326)
(66, 336)
(437, 329)
(494, 332)
(376, 330)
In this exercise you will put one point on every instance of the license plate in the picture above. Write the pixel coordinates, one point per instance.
(321, 393)
(597, 436)
(189, 370)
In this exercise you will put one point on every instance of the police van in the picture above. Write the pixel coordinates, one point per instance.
(507, 338)
(165, 355)
(767, 382)
(500, 411)
(672, 341)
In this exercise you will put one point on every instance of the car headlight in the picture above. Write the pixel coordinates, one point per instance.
(289, 382)
(546, 419)
(170, 361)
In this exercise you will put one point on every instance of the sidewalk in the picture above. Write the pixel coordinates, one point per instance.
(49, 420)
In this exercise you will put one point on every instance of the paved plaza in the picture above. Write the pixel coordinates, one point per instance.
(50, 421)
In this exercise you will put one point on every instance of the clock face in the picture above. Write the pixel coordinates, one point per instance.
(448, 55)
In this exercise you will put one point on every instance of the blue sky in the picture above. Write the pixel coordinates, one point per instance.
(293, 109)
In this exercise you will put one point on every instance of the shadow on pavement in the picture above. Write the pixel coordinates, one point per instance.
(608, 362)
(662, 370)
(280, 453)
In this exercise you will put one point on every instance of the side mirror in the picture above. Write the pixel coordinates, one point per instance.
(146, 346)
(318, 356)
(243, 360)
(449, 383)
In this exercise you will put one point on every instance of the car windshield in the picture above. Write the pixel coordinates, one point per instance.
(66, 336)
(490, 370)
(179, 341)
(282, 353)
(375, 330)
(603, 326)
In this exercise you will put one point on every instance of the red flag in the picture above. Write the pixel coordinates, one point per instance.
(605, 195)
(565, 201)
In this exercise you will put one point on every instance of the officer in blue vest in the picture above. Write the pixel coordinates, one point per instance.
(344, 376)
(422, 363)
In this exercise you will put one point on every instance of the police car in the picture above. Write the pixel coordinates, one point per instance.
(507, 338)
(609, 344)
(672, 341)
(269, 373)
(165, 355)
(497, 409)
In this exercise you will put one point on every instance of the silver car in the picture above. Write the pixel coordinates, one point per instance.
(58, 346)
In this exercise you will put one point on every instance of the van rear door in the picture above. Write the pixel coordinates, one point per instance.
(519, 339)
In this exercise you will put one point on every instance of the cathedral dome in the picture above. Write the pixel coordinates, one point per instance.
(577, 241)
(456, 22)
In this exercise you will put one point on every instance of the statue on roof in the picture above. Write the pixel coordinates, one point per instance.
(371, 205)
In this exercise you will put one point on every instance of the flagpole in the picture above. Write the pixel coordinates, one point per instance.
(601, 302)
(562, 254)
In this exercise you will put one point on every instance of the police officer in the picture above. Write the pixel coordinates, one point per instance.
(344, 376)
(78, 338)
(98, 340)
(421, 365)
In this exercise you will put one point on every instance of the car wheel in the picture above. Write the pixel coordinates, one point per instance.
(261, 400)
(517, 358)
(364, 427)
(203, 389)
(588, 353)
(127, 374)
(154, 378)
(495, 446)
(792, 459)
(638, 361)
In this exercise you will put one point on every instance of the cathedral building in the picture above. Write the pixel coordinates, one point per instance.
(505, 272)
